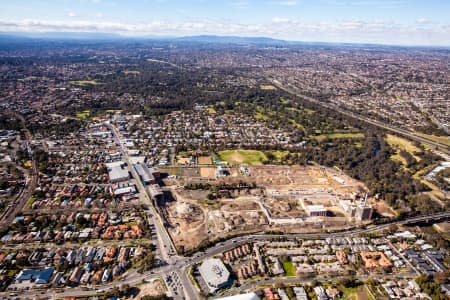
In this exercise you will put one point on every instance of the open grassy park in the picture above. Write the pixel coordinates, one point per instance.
(402, 144)
(239, 156)
(84, 82)
(261, 116)
(83, 114)
(349, 135)
(289, 268)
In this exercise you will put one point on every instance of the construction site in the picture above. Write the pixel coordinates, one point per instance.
(212, 203)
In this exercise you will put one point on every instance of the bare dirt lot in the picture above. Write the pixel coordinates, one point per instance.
(382, 208)
(205, 160)
(285, 208)
(194, 221)
(190, 172)
(276, 204)
(295, 177)
(154, 288)
(208, 172)
(187, 218)
(183, 161)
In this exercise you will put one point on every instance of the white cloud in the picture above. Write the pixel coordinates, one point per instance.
(377, 31)
(280, 20)
(72, 14)
(423, 21)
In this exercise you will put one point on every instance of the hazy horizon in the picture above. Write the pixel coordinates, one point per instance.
(210, 38)
(388, 22)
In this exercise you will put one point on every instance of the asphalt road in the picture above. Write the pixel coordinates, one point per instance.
(166, 246)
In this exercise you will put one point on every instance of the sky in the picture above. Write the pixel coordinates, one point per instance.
(397, 22)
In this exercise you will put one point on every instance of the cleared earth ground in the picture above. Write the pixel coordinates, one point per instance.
(267, 87)
(204, 160)
(154, 288)
(195, 220)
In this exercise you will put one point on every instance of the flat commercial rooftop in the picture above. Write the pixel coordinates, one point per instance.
(117, 171)
(214, 273)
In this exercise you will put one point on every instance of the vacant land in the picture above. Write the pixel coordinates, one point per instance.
(279, 155)
(289, 268)
(297, 125)
(183, 160)
(131, 72)
(194, 219)
(84, 82)
(211, 109)
(318, 179)
(402, 144)
(260, 116)
(267, 87)
(208, 172)
(249, 157)
(205, 160)
(358, 293)
(187, 219)
(83, 114)
(155, 288)
(350, 135)
(306, 110)
(397, 157)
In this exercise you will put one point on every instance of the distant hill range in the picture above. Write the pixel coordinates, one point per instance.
(217, 39)
(94, 37)
(60, 35)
